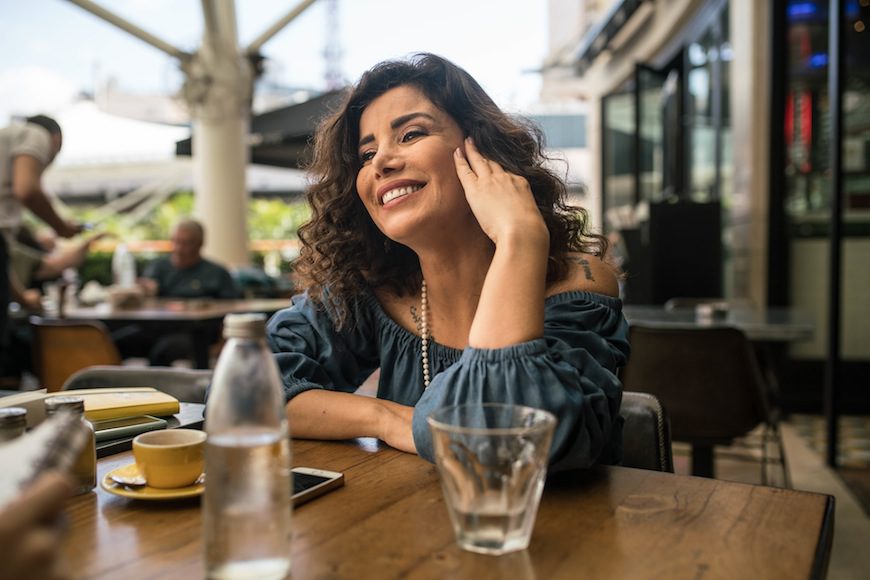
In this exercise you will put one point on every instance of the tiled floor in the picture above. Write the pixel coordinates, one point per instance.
(854, 437)
(850, 558)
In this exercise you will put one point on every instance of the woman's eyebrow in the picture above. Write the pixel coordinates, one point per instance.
(396, 123)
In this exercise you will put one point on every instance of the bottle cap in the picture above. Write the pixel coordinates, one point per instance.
(55, 404)
(245, 326)
(13, 417)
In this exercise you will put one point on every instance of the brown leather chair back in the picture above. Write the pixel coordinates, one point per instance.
(62, 347)
(646, 434)
(706, 378)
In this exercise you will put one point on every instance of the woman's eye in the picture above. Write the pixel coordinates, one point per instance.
(412, 134)
(366, 156)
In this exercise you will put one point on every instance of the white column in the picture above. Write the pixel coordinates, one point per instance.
(221, 196)
(218, 92)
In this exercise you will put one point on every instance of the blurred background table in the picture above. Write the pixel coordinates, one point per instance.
(759, 324)
(389, 520)
(199, 318)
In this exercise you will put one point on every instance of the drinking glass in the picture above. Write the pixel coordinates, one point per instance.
(492, 459)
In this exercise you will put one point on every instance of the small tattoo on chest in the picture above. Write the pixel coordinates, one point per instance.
(417, 320)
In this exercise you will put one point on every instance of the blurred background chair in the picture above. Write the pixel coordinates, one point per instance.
(685, 302)
(763, 353)
(186, 385)
(62, 347)
(646, 435)
(709, 381)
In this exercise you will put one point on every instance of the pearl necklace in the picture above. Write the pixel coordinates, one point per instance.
(424, 333)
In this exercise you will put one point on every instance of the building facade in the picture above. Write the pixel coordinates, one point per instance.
(709, 128)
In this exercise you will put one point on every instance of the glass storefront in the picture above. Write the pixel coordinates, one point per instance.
(806, 183)
(666, 163)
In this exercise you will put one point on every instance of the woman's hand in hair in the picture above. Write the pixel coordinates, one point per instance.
(501, 201)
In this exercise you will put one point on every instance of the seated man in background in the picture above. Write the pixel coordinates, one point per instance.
(185, 273)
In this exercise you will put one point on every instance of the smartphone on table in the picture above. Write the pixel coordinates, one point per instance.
(112, 429)
(309, 483)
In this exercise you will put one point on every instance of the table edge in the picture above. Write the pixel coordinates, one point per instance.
(822, 557)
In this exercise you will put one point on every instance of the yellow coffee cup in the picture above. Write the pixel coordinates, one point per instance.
(170, 458)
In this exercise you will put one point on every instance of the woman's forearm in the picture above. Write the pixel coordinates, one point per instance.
(511, 306)
(321, 414)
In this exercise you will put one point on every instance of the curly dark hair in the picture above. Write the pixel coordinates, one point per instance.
(343, 251)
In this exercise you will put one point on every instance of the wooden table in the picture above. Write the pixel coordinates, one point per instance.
(390, 521)
(759, 324)
(199, 318)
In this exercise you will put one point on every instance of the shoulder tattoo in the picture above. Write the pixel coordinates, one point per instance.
(587, 268)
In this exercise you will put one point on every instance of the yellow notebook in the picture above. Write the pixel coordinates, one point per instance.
(101, 404)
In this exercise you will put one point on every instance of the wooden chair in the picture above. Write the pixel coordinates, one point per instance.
(709, 381)
(646, 434)
(186, 385)
(62, 347)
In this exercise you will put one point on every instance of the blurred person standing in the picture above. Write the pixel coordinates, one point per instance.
(26, 150)
(36, 263)
(36, 259)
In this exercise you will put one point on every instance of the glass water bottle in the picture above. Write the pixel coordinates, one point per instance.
(246, 505)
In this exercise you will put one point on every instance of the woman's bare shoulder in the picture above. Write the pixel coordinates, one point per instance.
(587, 273)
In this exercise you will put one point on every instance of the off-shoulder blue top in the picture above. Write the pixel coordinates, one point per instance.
(570, 372)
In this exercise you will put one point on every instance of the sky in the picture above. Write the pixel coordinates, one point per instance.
(52, 50)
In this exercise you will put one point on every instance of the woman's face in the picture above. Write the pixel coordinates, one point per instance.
(407, 180)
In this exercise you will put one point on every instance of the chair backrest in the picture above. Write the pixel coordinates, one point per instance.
(186, 385)
(686, 302)
(62, 347)
(646, 435)
(707, 379)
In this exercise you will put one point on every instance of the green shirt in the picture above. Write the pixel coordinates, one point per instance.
(203, 280)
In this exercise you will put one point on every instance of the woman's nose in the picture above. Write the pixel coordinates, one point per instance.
(386, 160)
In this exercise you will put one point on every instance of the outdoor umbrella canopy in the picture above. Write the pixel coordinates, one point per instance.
(281, 137)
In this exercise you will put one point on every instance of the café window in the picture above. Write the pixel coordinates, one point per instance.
(666, 131)
(666, 165)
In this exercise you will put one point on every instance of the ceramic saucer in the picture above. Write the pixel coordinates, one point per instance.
(145, 492)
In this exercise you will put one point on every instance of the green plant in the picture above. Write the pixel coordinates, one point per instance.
(268, 219)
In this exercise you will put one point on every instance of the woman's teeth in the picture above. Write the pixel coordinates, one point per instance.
(399, 192)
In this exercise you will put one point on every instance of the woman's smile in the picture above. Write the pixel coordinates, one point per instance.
(391, 191)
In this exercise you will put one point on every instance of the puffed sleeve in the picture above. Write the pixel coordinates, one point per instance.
(570, 372)
(312, 354)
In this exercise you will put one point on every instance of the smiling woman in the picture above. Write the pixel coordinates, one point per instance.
(441, 251)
